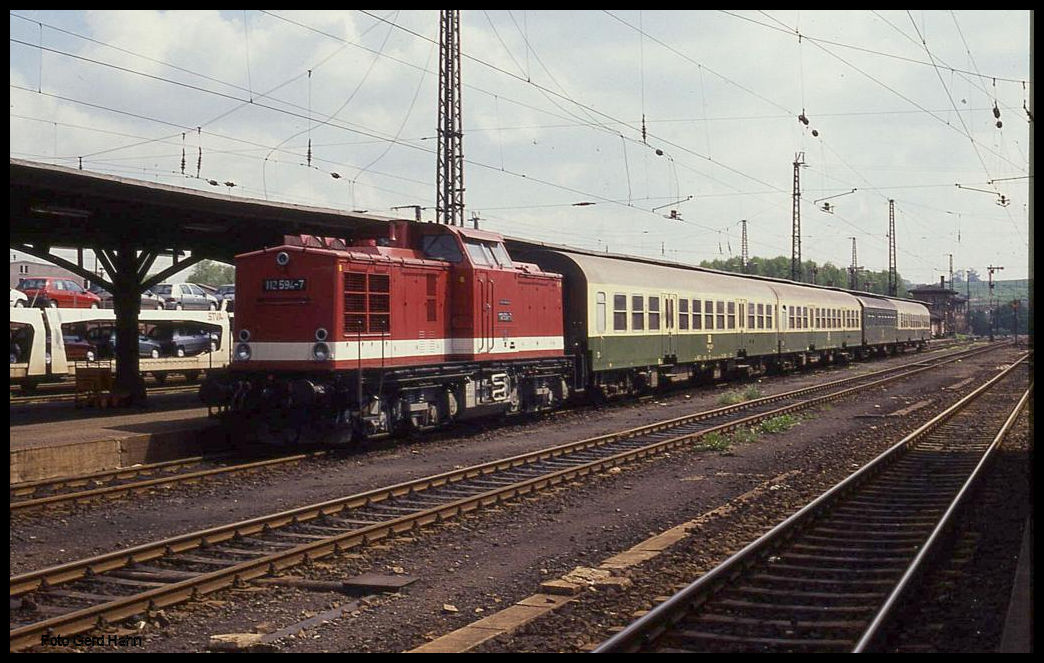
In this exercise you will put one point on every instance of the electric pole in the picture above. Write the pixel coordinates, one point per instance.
(853, 271)
(743, 246)
(449, 208)
(795, 235)
(989, 303)
(893, 277)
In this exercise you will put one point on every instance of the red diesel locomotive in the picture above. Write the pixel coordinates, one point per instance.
(429, 324)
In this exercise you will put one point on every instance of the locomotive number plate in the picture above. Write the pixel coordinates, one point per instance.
(280, 285)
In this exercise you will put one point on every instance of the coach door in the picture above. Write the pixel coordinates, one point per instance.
(669, 329)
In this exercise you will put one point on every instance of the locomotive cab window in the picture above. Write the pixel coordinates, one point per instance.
(441, 247)
(480, 253)
(500, 254)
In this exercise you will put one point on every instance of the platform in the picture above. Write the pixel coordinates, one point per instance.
(54, 440)
(1018, 627)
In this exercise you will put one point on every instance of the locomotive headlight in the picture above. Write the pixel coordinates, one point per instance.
(320, 334)
(321, 351)
(242, 352)
(282, 258)
(244, 335)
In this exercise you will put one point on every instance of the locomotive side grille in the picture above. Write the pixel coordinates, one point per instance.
(354, 282)
(380, 303)
(380, 283)
(379, 324)
(367, 303)
(354, 323)
(354, 303)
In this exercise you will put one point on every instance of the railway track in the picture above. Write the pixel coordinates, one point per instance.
(78, 596)
(68, 396)
(113, 483)
(66, 490)
(829, 578)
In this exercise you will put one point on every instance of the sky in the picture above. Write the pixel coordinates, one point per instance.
(652, 133)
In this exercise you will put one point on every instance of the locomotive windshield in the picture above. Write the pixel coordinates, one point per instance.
(441, 247)
(487, 253)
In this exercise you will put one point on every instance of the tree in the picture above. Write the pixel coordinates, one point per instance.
(827, 274)
(212, 273)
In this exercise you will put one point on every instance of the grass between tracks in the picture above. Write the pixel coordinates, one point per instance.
(716, 441)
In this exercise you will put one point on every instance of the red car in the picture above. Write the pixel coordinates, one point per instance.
(77, 349)
(57, 292)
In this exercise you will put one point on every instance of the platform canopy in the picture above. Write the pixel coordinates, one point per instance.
(130, 223)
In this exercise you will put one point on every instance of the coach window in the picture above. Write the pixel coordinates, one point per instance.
(708, 314)
(654, 313)
(637, 312)
(600, 312)
(697, 314)
(619, 312)
(683, 314)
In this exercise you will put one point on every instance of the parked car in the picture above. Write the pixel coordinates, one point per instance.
(184, 341)
(57, 292)
(188, 296)
(104, 338)
(149, 300)
(78, 349)
(18, 298)
(227, 293)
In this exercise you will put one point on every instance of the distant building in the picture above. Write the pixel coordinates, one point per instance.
(21, 269)
(947, 309)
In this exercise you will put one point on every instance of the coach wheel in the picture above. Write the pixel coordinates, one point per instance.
(160, 377)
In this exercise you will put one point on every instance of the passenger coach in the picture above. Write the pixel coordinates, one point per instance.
(632, 324)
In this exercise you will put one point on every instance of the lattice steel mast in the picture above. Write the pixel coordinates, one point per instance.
(449, 208)
(893, 276)
(743, 246)
(795, 236)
